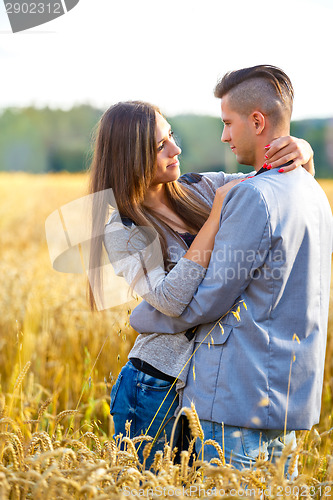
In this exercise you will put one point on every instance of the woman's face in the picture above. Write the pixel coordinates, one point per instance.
(167, 153)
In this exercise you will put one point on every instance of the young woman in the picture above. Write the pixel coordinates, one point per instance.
(160, 239)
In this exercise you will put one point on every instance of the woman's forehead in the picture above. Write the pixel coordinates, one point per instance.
(162, 127)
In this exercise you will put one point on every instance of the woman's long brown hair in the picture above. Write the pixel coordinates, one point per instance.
(124, 160)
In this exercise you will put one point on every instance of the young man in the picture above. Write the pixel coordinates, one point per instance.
(259, 369)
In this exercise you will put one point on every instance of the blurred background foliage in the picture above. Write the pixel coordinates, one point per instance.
(54, 140)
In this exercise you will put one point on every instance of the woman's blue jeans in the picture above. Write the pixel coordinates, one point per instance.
(149, 403)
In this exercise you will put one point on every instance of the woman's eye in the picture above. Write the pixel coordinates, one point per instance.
(163, 144)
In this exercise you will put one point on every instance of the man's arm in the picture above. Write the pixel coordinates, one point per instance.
(241, 246)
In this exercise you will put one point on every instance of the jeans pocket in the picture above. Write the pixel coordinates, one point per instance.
(150, 383)
(156, 403)
(114, 392)
(254, 444)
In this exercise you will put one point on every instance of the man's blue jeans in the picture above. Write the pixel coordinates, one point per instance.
(137, 396)
(242, 446)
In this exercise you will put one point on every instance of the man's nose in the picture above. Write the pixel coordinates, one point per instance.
(225, 136)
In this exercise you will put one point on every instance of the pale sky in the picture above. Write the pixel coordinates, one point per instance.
(169, 53)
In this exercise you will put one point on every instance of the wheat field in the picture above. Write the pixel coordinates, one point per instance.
(58, 363)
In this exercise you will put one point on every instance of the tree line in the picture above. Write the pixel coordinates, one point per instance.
(53, 140)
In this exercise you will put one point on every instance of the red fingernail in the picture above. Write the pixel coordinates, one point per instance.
(264, 165)
(268, 146)
(266, 156)
(281, 170)
(269, 166)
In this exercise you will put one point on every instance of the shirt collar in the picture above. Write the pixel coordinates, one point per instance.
(262, 170)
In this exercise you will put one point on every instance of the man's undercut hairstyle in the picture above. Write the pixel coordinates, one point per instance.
(261, 88)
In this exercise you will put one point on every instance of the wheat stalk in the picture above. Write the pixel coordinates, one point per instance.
(43, 408)
(217, 448)
(92, 436)
(145, 453)
(10, 450)
(139, 439)
(41, 438)
(194, 422)
(157, 463)
(62, 415)
(14, 425)
(184, 461)
(111, 449)
(21, 376)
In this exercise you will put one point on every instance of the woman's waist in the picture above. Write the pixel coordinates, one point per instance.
(165, 352)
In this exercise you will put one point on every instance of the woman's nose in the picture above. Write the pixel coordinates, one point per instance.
(175, 150)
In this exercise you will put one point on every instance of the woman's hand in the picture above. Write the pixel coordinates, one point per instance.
(203, 244)
(285, 149)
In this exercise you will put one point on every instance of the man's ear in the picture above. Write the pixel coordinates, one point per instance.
(258, 121)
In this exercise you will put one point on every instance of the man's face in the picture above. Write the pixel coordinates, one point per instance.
(239, 133)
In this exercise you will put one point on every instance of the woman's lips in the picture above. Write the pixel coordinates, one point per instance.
(174, 164)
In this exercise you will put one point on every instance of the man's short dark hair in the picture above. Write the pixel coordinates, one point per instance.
(264, 88)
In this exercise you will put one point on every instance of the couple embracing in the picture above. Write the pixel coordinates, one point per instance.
(243, 291)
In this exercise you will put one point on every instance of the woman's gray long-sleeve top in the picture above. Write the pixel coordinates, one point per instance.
(131, 249)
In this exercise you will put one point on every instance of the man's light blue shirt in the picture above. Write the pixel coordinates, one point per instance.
(272, 259)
